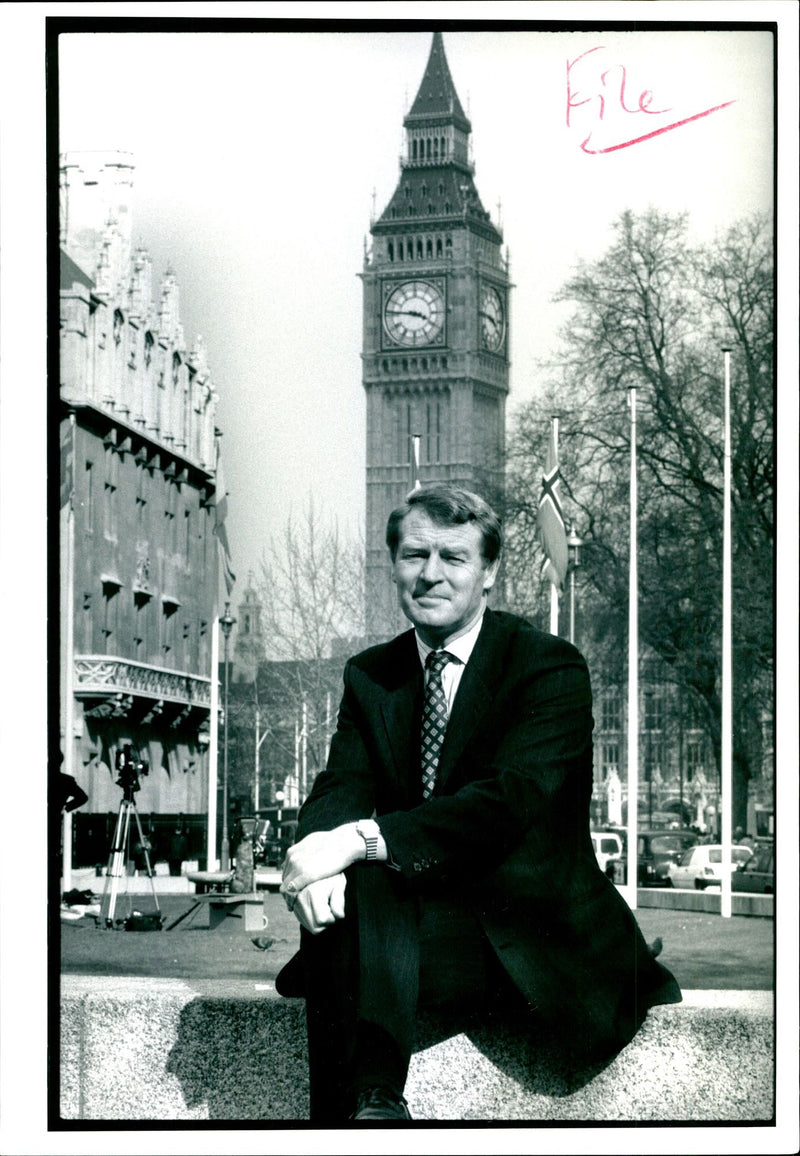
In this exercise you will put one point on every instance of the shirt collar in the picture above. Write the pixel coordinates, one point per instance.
(461, 647)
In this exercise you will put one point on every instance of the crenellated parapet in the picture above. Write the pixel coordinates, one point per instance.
(123, 347)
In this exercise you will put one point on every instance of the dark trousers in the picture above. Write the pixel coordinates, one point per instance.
(366, 976)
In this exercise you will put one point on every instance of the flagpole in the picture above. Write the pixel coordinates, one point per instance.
(633, 677)
(415, 482)
(726, 798)
(553, 589)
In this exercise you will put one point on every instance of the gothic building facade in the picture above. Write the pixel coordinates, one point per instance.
(436, 331)
(138, 557)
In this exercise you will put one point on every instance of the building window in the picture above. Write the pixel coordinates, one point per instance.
(187, 520)
(89, 520)
(110, 617)
(87, 623)
(653, 710)
(168, 626)
(611, 713)
(141, 497)
(694, 759)
(609, 758)
(187, 646)
(140, 619)
(110, 511)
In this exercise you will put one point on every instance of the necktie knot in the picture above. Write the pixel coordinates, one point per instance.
(436, 661)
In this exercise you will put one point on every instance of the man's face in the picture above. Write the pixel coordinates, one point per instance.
(441, 575)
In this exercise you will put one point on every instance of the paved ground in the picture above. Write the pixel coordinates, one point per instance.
(703, 950)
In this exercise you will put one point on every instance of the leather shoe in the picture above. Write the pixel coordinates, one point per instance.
(380, 1104)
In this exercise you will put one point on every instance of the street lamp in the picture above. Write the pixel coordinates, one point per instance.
(574, 544)
(226, 623)
(648, 724)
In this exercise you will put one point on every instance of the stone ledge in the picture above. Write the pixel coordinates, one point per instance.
(149, 1049)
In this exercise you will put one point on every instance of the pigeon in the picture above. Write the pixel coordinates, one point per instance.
(262, 942)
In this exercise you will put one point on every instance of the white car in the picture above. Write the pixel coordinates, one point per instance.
(607, 848)
(701, 866)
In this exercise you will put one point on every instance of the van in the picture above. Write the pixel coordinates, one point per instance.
(607, 849)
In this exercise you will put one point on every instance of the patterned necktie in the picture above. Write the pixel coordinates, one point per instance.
(434, 719)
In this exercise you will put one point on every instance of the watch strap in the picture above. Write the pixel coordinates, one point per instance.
(369, 831)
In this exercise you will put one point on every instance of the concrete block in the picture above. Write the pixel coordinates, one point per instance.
(145, 1049)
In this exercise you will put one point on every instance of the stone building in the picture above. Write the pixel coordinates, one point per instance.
(138, 556)
(436, 336)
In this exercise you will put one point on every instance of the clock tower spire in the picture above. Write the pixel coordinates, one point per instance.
(435, 341)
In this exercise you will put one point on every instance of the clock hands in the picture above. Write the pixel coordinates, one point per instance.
(410, 313)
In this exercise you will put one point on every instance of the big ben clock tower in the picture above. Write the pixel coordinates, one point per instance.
(435, 347)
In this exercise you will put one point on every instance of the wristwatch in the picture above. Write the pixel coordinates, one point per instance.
(369, 831)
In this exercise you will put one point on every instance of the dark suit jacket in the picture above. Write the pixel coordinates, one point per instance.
(507, 831)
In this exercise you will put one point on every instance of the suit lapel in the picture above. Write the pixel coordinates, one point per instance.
(401, 706)
(474, 697)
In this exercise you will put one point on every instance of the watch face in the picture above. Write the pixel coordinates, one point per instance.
(414, 313)
(492, 319)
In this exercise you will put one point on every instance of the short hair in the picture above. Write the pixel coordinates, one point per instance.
(449, 506)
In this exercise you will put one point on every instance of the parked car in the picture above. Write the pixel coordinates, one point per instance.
(758, 873)
(657, 851)
(607, 849)
(701, 866)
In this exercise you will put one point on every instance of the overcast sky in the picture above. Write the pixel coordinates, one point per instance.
(257, 156)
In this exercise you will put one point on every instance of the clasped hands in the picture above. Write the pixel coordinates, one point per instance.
(313, 875)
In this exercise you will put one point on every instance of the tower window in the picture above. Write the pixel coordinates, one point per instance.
(419, 247)
(438, 246)
(391, 251)
(89, 523)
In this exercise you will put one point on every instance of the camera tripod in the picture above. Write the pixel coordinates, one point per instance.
(116, 860)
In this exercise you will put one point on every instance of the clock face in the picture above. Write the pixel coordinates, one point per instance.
(492, 319)
(414, 313)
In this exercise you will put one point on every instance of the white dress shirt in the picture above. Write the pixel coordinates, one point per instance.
(460, 649)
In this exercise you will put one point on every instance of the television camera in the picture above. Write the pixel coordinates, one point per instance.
(130, 767)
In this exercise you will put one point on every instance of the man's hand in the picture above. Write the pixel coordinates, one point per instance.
(319, 856)
(320, 904)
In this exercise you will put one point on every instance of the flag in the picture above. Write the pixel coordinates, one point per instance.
(220, 529)
(550, 519)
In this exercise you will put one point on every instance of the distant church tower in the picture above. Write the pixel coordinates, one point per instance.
(435, 344)
(250, 649)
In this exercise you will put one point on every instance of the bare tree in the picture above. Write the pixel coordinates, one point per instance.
(654, 313)
(312, 593)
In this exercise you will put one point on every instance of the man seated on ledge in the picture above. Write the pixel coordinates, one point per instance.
(443, 856)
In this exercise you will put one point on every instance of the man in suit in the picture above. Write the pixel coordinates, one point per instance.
(443, 856)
